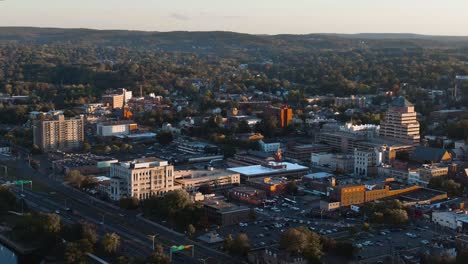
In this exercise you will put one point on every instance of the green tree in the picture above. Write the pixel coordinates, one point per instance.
(129, 203)
(74, 253)
(228, 241)
(291, 188)
(252, 215)
(165, 137)
(89, 232)
(158, 256)
(240, 245)
(111, 243)
(52, 223)
(301, 240)
(86, 147)
(75, 178)
(397, 216)
(365, 226)
(7, 199)
(191, 230)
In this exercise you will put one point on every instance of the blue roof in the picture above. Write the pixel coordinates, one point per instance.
(428, 154)
(401, 101)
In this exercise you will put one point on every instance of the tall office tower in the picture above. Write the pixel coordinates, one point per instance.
(57, 133)
(283, 114)
(115, 101)
(400, 122)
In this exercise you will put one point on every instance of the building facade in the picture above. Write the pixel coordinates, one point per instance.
(224, 214)
(365, 160)
(284, 115)
(356, 101)
(216, 179)
(59, 133)
(269, 147)
(303, 152)
(113, 128)
(427, 172)
(141, 178)
(400, 122)
(338, 162)
(114, 101)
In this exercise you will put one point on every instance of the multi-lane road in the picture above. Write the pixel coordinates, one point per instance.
(109, 218)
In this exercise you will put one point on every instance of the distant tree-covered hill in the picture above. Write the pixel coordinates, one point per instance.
(219, 42)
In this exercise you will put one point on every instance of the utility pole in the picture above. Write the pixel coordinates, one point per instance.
(5, 170)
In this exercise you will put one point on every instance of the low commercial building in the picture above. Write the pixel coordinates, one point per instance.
(114, 128)
(191, 180)
(223, 213)
(455, 220)
(427, 172)
(271, 186)
(251, 157)
(338, 162)
(389, 171)
(430, 155)
(357, 194)
(271, 169)
(269, 146)
(141, 178)
(86, 164)
(248, 195)
(303, 152)
(421, 196)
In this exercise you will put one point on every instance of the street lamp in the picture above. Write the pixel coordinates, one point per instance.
(204, 259)
(152, 238)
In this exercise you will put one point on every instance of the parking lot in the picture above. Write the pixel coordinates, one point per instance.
(273, 219)
(405, 242)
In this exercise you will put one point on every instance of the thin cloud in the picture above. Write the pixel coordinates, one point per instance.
(180, 17)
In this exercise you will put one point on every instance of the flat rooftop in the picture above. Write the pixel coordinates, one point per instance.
(268, 180)
(421, 194)
(318, 175)
(258, 170)
(308, 146)
(223, 206)
(201, 175)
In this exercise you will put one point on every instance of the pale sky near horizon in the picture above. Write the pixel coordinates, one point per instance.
(433, 17)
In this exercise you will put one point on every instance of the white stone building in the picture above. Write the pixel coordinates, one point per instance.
(141, 178)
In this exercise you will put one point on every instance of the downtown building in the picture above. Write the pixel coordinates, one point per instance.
(55, 132)
(141, 178)
(283, 115)
(400, 122)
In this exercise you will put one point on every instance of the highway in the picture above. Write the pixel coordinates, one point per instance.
(109, 218)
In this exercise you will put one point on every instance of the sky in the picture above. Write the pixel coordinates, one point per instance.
(432, 17)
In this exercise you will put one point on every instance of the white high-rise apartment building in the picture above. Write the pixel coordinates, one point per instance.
(141, 178)
(400, 122)
(58, 133)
